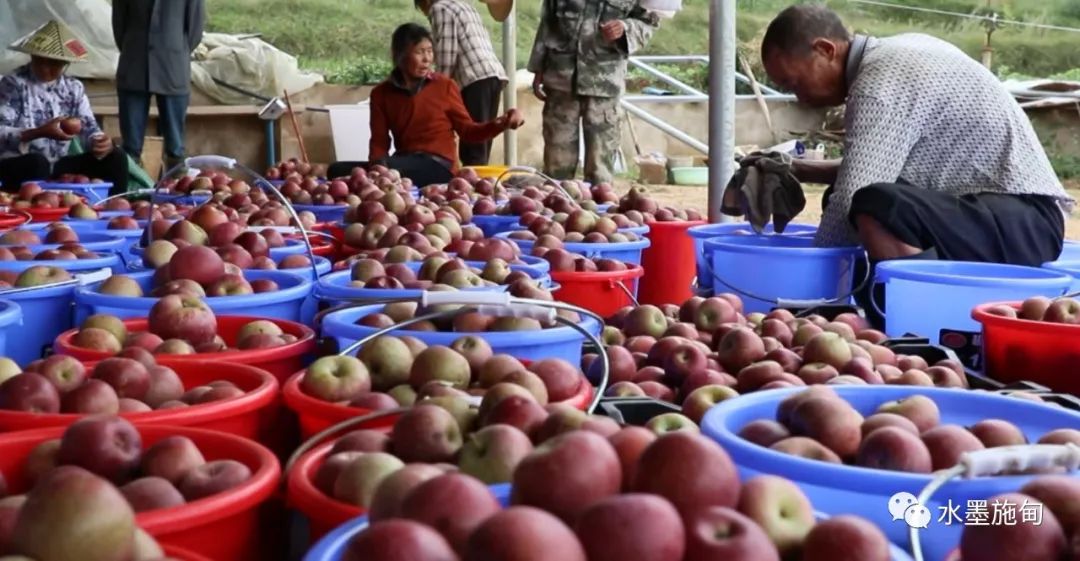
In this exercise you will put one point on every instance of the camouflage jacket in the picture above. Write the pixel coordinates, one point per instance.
(570, 51)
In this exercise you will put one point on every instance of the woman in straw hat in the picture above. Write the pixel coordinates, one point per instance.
(42, 110)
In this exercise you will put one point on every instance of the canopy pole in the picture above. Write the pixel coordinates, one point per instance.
(510, 93)
(722, 53)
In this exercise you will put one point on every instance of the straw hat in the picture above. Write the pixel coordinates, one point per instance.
(52, 40)
(499, 9)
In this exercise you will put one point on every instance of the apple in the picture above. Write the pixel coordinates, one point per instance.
(689, 470)
(704, 398)
(357, 482)
(589, 470)
(212, 478)
(780, 508)
(1063, 310)
(128, 377)
(455, 504)
(171, 458)
(442, 364)
(120, 285)
(392, 490)
(64, 372)
(151, 493)
(632, 527)
(97, 521)
(401, 540)
(93, 397)
(491, 453)
(183, 317)
(107, 446)
(671, 422)
(717, 532)
(426, 433)
(524, 533)
(30, 392)
(645, 320)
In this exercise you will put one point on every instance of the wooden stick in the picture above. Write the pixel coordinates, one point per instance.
(296, 128)
(760, 98)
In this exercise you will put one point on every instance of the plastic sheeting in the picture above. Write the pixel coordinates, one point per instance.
(90, 20)
(247, 63)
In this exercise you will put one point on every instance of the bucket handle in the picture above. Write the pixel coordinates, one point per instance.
(259, 181)
(533, 171)
(496, 303)
(785, 302)
(997, 461)
(627, 291)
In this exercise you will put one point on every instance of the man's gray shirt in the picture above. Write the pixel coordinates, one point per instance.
(921, 111)
(156, 38)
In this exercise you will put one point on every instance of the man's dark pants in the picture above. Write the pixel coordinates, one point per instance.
(985, 227)
(134, 112)
(482, 102)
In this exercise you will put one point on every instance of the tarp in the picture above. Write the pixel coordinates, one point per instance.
(243, 61)
(90, 20)
(248, 63)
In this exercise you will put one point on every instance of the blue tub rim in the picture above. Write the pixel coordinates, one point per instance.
(924, 271)
(723, 242)
(10, 312)
(88, 294)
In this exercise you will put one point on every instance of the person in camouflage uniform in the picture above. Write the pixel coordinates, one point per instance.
(579, 63)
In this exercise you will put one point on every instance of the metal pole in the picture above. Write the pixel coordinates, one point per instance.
(722, 50)
(510, 94)
(664, 126)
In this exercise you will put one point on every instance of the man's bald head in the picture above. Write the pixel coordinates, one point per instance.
(805, 52)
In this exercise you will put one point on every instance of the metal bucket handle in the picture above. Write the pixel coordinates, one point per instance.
(259, 181)
(533, 171)
(996, 461)
(495, 303)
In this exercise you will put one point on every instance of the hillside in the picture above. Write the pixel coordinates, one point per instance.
(348, 40)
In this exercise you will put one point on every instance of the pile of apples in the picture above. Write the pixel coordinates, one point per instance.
(76, 178)
(32, 195)
(469, 322)
(466, 186)
(169, 473)
(67, 251)
(904, 435)
(434, 270)
(706, 351)
(637, 200)
(577, 226)
(178, 324)
(205, 181)
(1041, 308)
(584, 496)
(71, 514)
(131, 382)
(196, 270)
(397, 371)
(562, 260)
(1054, 537)
(296, 169)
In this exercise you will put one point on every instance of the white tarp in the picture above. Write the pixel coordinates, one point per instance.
(247, 63)
(89, 20)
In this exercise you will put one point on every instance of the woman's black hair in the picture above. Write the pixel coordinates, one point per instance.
(405, 36)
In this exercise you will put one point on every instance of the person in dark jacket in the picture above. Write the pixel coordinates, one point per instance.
(155, 38)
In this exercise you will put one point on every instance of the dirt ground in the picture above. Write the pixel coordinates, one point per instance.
(697, 197)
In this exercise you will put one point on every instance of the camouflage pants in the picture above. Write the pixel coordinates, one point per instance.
(599, 118)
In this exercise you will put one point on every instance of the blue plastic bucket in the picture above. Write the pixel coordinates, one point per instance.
(325, 213)
(559, 342)
(334, 288)
(842, 489)
(1070, 251)
(705, 231)
(101, 223)
(286, 303)
(80, 226)
(311, 304)
(48, 312)
(924, 297)
(627, 252)
(292, 246)
(1070, 267)
(96, 241)
(106, 261)
(179, 198)
(538, 263)
(492, 224)
(332, 546)
(92, 192)
(765, 269)
(11, 319)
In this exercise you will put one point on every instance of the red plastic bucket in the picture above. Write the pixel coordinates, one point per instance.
(9, 220)
(281, 361)
(223, 527)
(46, 214)
(1017, 349)
(249, 415)
(323, 512)
(316, 415)
(670, 264)
(602, 292)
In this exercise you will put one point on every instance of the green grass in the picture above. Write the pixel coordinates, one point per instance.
(348, 40)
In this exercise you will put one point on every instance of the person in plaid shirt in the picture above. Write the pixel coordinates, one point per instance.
(463, 51)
